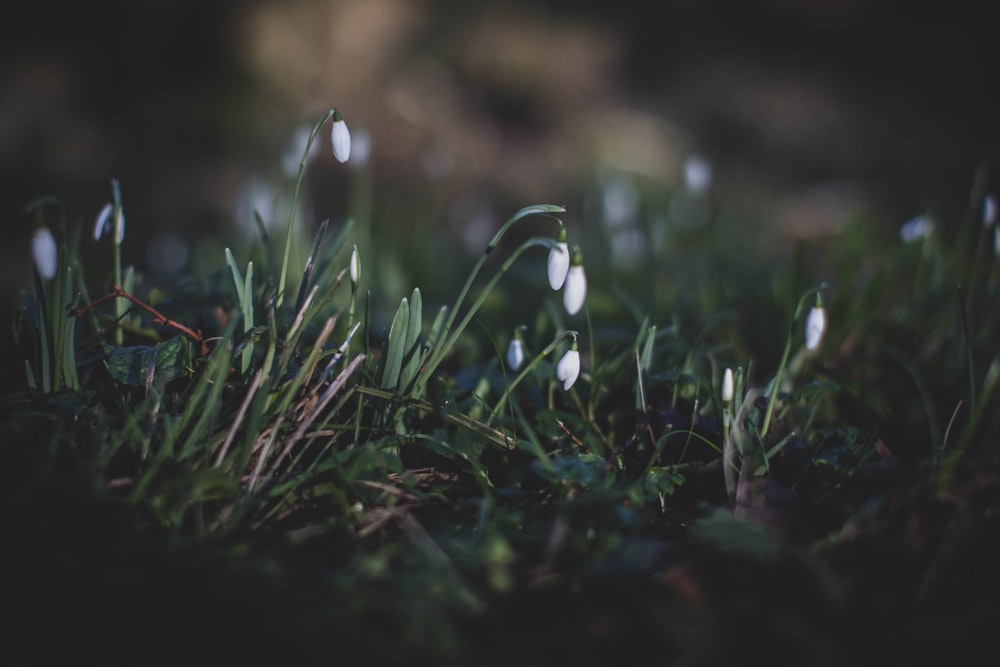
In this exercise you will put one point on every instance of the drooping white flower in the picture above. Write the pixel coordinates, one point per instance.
(355, 270)
(727, 386)
(989, 210)
(558, 264)
(568, 368)
(815, 327)
(575, 289)
(340, 137)
(916, 228)
(102, 221)
(43, 247)
(515, 353)
(111, 217)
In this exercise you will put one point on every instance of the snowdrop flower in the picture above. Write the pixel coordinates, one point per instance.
(558, 265)
(568, 369)
(515, 352)
(111, 217)
(919, 227)
(575, 289)
(697, 175)
(815, 327)
(340, 137)
(355, 270)
(43, 247)
(727, 386)
(989, 210)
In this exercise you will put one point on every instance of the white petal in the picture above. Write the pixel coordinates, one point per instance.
(43, 247)
(815, 326)
(568, 369)
(575, 292)
(102, 221)
(727, 386)
(515, 354)
(340, 137)
(558, 265)
(916, 228)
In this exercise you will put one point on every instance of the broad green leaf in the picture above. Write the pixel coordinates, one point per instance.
(396, 347)
(166, 360)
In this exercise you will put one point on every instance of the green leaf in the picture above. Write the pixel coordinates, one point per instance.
(396, 347)
(411, 347)
(166, 360)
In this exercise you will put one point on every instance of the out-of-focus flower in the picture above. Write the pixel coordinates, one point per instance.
(340, 137)
(815, 327)
(558, 265)
(575, 289)
(515, 352)
(361, 149)
(697, 175)
(989, 210)
(727, 386)
(355, 269)
(916, 228)
(568, 368)
(43, 247)
(111, 217)
(295, 149)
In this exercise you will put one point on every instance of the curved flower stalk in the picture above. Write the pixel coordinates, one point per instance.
(341, 139)
(45, 253)
(575, 289)
(450, 332)
(558, 263)
(568, 368)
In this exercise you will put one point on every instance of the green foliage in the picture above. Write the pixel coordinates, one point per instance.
(410, 485)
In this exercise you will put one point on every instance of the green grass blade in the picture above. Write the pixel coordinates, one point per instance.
(396, 346)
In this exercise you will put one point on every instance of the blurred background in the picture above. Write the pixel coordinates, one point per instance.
(786, 117)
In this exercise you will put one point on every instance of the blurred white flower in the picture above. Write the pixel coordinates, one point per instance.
(515, 353)
(291, 157)
(111, 217)
(727, 386)
(355, 270)
(43, 247)
(101, 224)
(361, 149)
(697, 175)
(620, 202)
(575, 290)
(340, 137)
(558, 265)
(989, 210)
(916, 228)
(815, 327)
(568, 368)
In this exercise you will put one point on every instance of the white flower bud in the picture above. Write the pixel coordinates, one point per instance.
(558, 265)
(815, 327)
(575, 290)
(727, 386)
(102, 221)
(340, 137)
(43, 247)
(515, 354)
(989, 210)
(568, 369)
